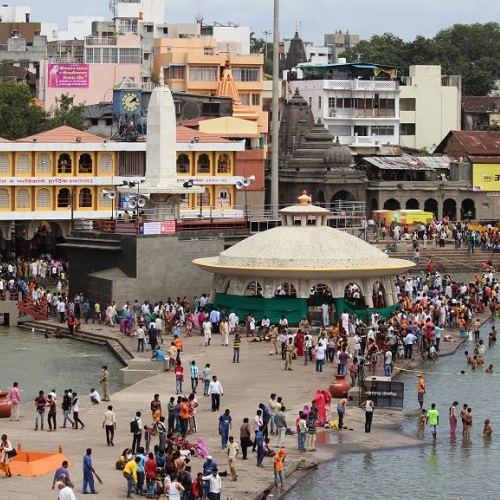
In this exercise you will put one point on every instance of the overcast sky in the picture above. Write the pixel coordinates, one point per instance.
(313, 18)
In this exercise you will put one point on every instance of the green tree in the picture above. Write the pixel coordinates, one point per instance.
(20, 115)
(65, 113)
(469, 50)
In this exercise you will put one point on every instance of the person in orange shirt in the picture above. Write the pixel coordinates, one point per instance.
(421, 390)
(279, 474)
(178, 343)
(184, 416)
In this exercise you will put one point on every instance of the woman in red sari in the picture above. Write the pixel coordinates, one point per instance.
(299, 343)
(319, 402)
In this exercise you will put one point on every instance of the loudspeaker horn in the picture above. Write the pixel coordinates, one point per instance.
(132, 204)
(112, 194)
(248, 180)
(128, 197)
(239, 185)
(141, 202)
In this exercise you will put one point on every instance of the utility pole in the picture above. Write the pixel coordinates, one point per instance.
(266, 34)
(275, 124)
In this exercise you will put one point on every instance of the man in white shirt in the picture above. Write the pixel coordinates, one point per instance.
(320, 356)
(110, 425)
(141, 337)
(215, 483)
(65, 492)
(215, 391)
(94, 396)
(233, 321)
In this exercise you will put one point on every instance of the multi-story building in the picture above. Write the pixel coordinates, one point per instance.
(357, 102)
(429, 106)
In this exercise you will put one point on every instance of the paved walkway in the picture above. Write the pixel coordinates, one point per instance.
(245, 386)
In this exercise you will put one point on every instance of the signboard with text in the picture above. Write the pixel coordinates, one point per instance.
(385, 394)
(486, 177)
(158, 227)
(67, 75)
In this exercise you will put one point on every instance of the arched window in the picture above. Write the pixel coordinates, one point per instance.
(224, 164)
(43, 198)
(106, 164)
(23, 165)
(23, 199)
(63, 198)
(85, 198)
(412, 204)
(64, 164)
(285, 289)
(4, 198)
(85, 164)
(224, 198)
(392, 204)
(204, 198)
(253, 289)
(203, 164)
(43, 164)
(183, 164)
(4, 164)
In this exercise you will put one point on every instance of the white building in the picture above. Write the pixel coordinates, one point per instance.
(358, 102)
(429, 105)
(15, 14)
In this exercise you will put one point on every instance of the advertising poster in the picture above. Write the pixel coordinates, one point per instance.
(68, 75)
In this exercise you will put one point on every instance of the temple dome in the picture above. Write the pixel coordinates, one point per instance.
(337, 156)
(304, 246)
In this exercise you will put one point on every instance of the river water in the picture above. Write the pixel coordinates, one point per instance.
(38, 363)
(450, 469)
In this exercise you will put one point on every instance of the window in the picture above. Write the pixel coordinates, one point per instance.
(203, 164)
(85, 198)
(183, 164)
(382, 130)
(4, 199)
(23, 165)
(344, 102)
(64, 164)
(94, 122)
(407, 129)
(224, 164)
(106, 164)
(85, 164)
(319, 102)
(250, 74)
(149, 28)
(146, 56)
(255, 99)
(43, 164)
(63, 198)
(203, 73)
(208, 51)
(130, 56)
(331, 102)
(224, 198)
(4, 164)
(407, 104)
(43, 198)
(23, 199)
(175, 73)
(245, 99)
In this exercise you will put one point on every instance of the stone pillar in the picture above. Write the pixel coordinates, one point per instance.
(389, 299)
(369, 300)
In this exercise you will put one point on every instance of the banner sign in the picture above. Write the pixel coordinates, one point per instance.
(67, 75)
(385, 394)
(159, 227)
(486, 177)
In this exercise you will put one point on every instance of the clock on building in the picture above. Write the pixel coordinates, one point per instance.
(130, 102)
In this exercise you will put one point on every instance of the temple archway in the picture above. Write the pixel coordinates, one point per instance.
(450, 208)
(392, 204)
(342, 195)
(353, 293)
(285, 289)
(431, 205)
(378, 294)
(468, 210)
(253, 289)
(412, 204)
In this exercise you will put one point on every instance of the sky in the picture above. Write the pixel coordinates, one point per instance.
(312, 18)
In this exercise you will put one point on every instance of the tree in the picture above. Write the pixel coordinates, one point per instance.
(469, 50)
(21, 115)
(65, 113)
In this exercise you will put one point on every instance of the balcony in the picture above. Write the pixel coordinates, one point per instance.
(360, 113)
(99, 41)
(362, 85)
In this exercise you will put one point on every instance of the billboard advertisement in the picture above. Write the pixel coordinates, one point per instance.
(68, 75)
(486, 177)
